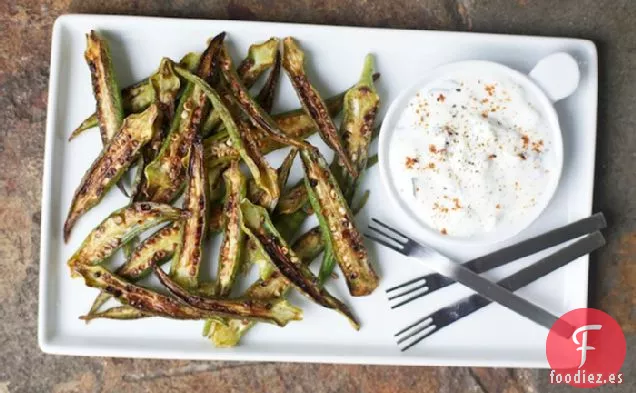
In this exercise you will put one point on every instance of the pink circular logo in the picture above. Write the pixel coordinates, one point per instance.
(592, 355)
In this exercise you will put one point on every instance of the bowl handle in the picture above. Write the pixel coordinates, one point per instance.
(557, 74)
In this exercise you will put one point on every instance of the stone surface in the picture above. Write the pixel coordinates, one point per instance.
(24, 66)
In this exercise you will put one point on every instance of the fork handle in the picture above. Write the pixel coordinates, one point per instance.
(483, 286)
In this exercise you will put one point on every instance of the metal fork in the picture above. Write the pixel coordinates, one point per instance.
(426, 326)
(426, 284)
(401, 243)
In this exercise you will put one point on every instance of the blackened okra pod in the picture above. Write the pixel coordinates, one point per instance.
(138, 96)
(154, 250)
(258, 226)
(294, 64)
(337, 223)
(116, 157)
(122, 225)
(259, 117)
(277, 312)
(240, 139)
(110, 112)
(165, 175)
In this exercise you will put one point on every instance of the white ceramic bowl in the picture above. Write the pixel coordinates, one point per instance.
(552, 89)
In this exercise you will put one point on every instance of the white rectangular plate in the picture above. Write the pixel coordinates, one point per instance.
(491, 337)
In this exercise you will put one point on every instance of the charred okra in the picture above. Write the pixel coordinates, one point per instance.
(187, 260)
(119, 227)
(116, 157)
(294, 64)
(230, 252)
(338, 227)
(258, 226)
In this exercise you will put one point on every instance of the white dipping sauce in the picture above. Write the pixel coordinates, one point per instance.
(474, 153)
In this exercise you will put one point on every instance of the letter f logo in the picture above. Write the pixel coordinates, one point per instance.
(584, 347)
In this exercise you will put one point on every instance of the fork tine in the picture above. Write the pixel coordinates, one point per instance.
(420, 338)
(385, 243)
(383, 233)
(412, 325)
(409, 291)
(428, 322)
(410, 299)
(390, 228)
(409, 282)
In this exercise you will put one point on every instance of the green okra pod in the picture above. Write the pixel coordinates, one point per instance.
(266, 96)
(241, 140)
(258, 226)
(361, 104)
(259, 117)
(157, 248)
(120, 313)
(110, 112)
(187, 259)
(360, 108)
(337, 223)
(277, 312)
(259, 58)
(139, 96)
(230, 251)
(165, 175)
(122, 225)
(116, 157)
(294, 64)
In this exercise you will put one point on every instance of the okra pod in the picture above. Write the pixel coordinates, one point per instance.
(156, 249)
(230, 251)
(294, 64)
(241, 140)
(110, 112)
(360, 108)
(258, 195)
(295, 123)
(279, 312)
(293, 199)
(258, 226)
(337, 223)
(228, 333)
(139, 96)
(165, 175)
(187, 259)
(120, 313)
(122, 225)
(266, 96)
(259, 58)
(166, 84)
(116, 157)
(152, 251)
(260, 118)
(276, 312)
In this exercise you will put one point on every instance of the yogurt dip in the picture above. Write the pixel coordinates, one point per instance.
(472, 154)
